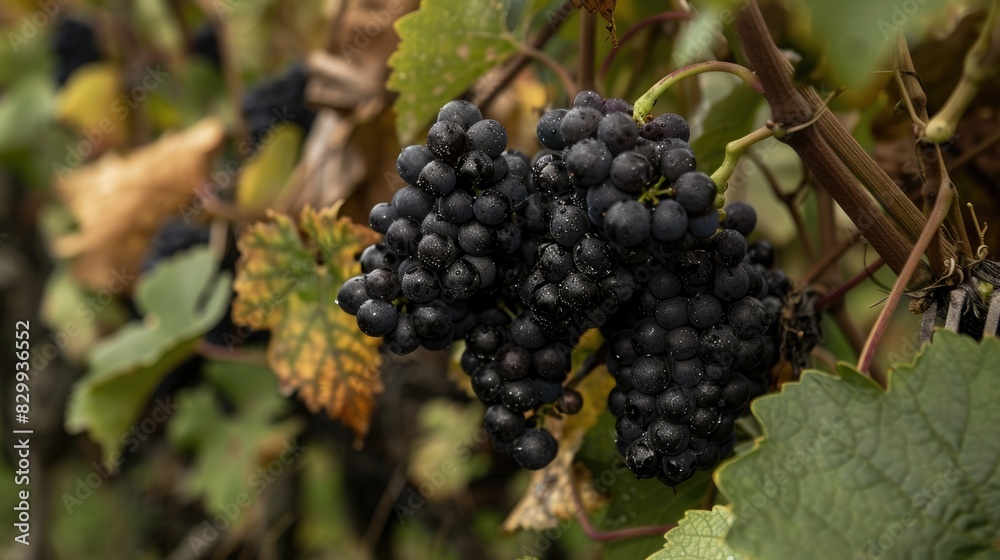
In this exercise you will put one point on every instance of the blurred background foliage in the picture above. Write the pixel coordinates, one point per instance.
(130, 131)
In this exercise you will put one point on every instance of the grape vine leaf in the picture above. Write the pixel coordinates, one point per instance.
(699, 536)
(227, 457)
(846, 469)
(288, 284)
(180, 299)
(726, 120)
(856, 36)
(444, 47)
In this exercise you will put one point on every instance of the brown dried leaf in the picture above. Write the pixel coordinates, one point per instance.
(607, 10)
(119, 202)
(550, 495)
(288, 285)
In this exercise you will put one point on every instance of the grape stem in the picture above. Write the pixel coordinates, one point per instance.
(735, 151)
(589, 365)
(790, 200)
(608, 536)
(934, 221)
(644, 105)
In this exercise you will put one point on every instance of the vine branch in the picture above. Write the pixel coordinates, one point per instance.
(830, 152)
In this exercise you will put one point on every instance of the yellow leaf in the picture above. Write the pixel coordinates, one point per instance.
(264, 177)
(550, 493)
(90, 104)
(288, 284)
(119, 202)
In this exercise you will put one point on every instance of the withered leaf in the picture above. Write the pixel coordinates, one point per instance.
(288, 284)
(119, 202)
(607, 10)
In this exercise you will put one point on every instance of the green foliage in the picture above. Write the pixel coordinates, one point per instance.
(846, 469)
(726, 120)
(445, 46)
(243, 452)
(699, 536)
(180, 300)
(857, 35)
(637, 503)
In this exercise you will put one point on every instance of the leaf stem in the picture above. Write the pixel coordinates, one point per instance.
(634, 30)
(835, 296)
(644, 105)
(734, 151)
(571, 87)
(589, 365)
(616, 535)
(829, 259)
(482, 98)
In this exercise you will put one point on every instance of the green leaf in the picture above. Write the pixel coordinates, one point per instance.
(847, 470)
(180, 300)
(445, 46)
(727, 119)
(699, 536)
(637, 503)
(857, 35)
(229, 457)
(26, 110)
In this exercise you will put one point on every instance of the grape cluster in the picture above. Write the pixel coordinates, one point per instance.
(449, 234)
(275, 103)
(610, 227)
(702, 344)
(75, 44)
